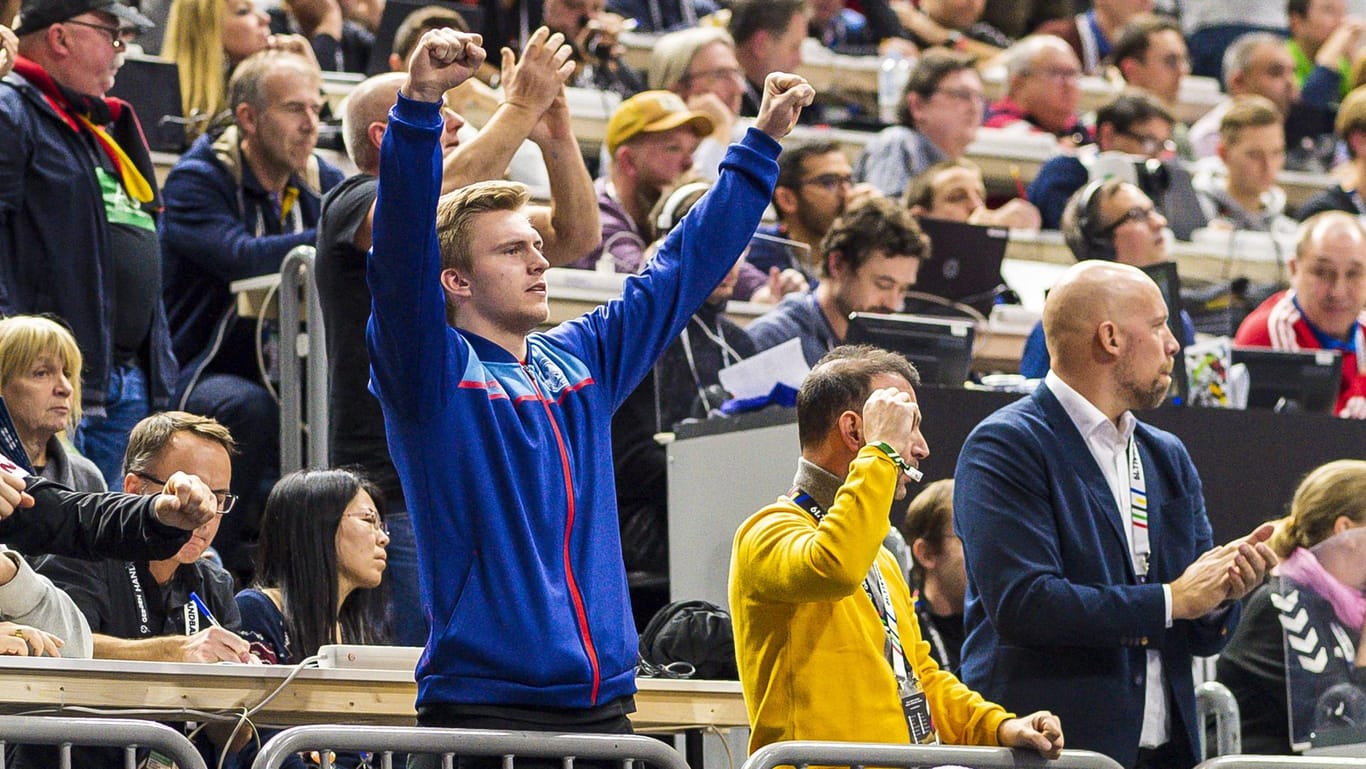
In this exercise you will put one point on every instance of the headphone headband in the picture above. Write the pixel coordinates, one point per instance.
(668, 218)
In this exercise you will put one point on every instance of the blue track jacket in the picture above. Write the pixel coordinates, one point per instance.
(507, 464)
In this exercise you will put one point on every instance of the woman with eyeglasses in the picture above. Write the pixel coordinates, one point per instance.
(40, 379)
(306, 596)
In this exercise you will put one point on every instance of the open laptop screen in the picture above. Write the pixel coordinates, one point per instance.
(964, 266)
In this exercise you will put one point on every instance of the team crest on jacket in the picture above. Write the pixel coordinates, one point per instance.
(549, 374)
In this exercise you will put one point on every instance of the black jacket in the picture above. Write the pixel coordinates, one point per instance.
(89, 525)
(54, 240)
(668, 395)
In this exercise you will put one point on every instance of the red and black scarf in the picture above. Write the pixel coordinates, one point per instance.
(123, 142)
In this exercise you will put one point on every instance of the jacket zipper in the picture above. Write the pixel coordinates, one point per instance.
(573, 585)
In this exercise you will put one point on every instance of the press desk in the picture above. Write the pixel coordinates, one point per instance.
(315, 696)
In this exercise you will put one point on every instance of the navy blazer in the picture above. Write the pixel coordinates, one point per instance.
(1055, 615)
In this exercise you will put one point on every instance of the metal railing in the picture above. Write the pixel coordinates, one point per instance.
(386, 741)
(128, 734)
(1282, 762)
(861, 754)
(308, 341)
(1213, 698)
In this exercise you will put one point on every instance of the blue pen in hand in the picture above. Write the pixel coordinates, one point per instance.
(203, 609)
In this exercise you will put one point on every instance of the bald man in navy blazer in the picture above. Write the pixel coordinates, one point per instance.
(1092, 576)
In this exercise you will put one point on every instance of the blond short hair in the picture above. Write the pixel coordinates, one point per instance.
(455, 214)
(151, 436)
(1327, 492)
(1250, 111)
(23, 338)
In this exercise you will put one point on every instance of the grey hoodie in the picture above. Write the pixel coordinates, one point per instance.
(32, 599)
(1210, 182)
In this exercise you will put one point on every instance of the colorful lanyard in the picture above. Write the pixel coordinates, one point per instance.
(914, 703)
(1138, 513)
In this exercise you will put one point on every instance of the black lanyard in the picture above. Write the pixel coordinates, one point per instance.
(194, 621)
(139, 599)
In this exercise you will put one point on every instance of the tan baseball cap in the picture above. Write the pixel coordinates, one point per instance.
(652, 112)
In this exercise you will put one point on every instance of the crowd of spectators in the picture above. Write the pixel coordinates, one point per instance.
(467, 434)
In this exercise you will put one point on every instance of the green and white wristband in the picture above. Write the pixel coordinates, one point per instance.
(911, 472)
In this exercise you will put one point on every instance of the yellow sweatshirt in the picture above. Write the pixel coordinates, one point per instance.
(808, 639)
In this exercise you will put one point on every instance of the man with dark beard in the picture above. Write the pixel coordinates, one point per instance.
(1092, 580)
(815, 185)
(868, 261)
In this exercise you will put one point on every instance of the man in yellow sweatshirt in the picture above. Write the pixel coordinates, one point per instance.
(825, 631)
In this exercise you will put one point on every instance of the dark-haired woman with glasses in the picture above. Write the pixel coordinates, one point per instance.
(306, 595)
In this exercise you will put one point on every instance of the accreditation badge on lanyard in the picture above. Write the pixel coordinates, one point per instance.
(1138, 513)
(914, 703)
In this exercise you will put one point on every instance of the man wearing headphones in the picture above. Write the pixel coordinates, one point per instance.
(1112, 220)
(684, 383)
(650, 138)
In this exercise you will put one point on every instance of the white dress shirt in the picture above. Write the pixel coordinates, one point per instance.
(1109, 446)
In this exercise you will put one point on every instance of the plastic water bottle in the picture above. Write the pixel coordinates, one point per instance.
(891, 81)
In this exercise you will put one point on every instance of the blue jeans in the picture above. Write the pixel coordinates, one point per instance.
(252, 416)
(405, 603)
(103, 440)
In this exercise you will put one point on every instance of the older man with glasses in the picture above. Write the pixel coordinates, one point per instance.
(78, 213)
(940, 111)
(179, 609)
(699, 65)
(1133, 123)
(1043, 90)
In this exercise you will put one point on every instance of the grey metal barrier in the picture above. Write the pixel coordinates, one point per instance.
(861, 754)
(386, 741)
(300, 340)
(123, 733)
(1213, 698)
(1282, 762)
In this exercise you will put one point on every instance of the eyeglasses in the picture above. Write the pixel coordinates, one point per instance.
(1152, 146)
(376, 522)
(1174, 61)
(226, 501)
(119, 37)
(831, 182)
(1140, 214)
(963, 94)
(720, 73)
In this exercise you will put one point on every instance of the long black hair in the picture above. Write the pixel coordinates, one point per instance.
(298, 556)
